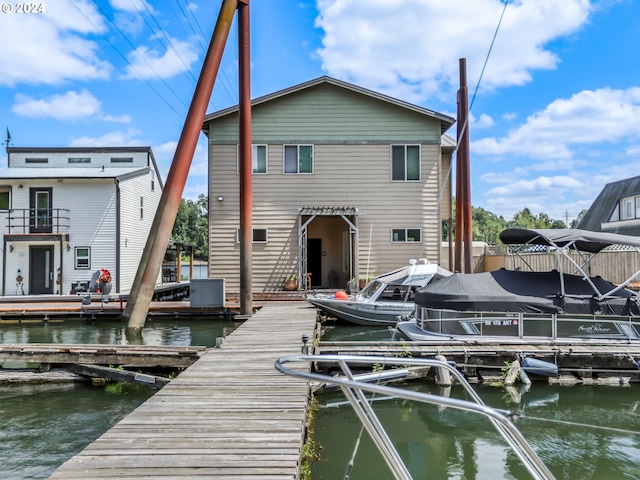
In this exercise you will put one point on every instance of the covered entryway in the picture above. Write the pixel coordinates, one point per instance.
(328, 246)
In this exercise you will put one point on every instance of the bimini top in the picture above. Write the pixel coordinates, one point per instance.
(583, 240)
(416, 274)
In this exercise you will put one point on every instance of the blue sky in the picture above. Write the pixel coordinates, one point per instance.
(555, 114)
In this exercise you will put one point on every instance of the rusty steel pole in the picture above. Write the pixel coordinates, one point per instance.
(464, 227)
(457, 265)
(143, 288)
(246, 199)
(467, 221)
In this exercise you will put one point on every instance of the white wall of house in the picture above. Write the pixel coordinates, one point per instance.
(138, 205)
(99, 192)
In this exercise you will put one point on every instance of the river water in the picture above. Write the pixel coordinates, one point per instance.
(580, 432)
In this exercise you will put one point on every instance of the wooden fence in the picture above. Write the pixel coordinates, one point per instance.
(613, 265)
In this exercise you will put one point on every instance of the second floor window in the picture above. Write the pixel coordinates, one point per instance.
(5, 198)
(298, 159)
(405, 163)
(259, 158)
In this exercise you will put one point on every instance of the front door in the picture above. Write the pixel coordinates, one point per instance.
(40, 210)
(314, 261)
(40, 270)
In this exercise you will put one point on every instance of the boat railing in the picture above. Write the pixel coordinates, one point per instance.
(354, 392)
(523, 324)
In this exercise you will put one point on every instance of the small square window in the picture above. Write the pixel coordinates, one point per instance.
(82, 258)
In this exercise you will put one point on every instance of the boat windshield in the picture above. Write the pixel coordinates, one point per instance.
(371, 289)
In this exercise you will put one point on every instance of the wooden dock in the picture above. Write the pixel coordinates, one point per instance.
(229, 416)
(583, 359)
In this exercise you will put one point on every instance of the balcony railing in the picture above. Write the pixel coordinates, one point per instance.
(37, 220)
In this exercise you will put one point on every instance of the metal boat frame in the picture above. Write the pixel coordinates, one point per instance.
(354, 392)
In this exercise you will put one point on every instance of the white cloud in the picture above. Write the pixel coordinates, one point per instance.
(410, 48)
(110, 139)
(50, 48)
(67, 106)
(485, 121)
(130, 5)
(199, 164)
(588, 117)
(149, 63)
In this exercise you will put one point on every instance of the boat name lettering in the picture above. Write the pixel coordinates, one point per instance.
(595, 328)
(500, 322)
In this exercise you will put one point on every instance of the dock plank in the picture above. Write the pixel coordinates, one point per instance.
(230, 415)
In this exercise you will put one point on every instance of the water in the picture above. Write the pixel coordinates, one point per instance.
(176, 332)
(44, 425)
(580, 432)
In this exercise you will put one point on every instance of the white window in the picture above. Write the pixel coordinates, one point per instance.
(627, 209)
(405, 163)
(83, 256)
(259, 235)
(141, 208)
(153, 180)
(401, 235)
(259, 158)
(298, 159)
(79, 160)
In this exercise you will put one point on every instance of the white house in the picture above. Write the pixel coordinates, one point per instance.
(68, 212)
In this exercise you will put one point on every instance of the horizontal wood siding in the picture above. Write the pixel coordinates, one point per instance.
(331, 114)
(351, 134)
(344, 175)
(133, 229)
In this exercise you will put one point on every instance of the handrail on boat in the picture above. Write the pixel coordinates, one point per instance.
(354, 389)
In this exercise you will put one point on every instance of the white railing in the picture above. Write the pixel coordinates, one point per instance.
(354, 392)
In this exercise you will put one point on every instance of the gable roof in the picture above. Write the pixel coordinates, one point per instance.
(445, 121)
(600, 210)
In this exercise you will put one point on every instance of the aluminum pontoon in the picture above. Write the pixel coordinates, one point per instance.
(520, 304)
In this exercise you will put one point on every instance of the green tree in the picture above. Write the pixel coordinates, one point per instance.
(191, 225)
(487, 226)
(576, 221)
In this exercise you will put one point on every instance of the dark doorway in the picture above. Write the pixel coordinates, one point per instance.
(40, 210)
(40, 270)
(314, 261)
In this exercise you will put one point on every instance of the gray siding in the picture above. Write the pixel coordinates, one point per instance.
(344, 175)
(351, 134)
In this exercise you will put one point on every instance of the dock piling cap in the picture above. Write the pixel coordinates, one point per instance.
(341, 295)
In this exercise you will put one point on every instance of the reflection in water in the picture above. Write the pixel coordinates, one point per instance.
(199, 331)
(44, 425)
(440, 443)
